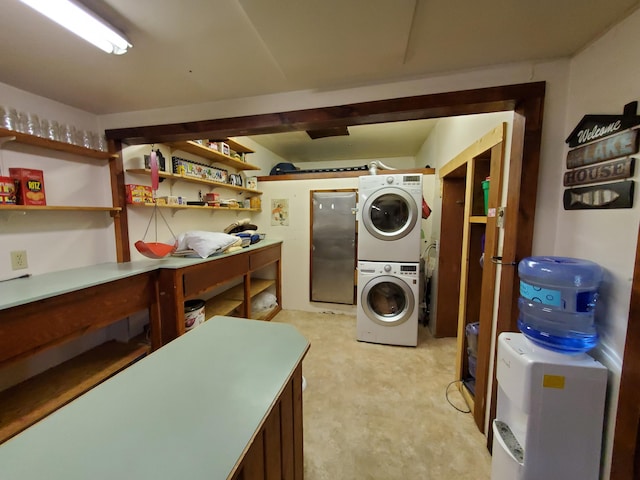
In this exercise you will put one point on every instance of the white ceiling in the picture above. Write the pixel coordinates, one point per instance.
(194, 51)
(382, 140)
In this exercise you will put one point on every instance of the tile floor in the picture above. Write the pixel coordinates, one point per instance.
(380, 412)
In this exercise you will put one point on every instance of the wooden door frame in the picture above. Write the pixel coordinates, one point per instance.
(490, 147)
(625, 462)
(525, 100)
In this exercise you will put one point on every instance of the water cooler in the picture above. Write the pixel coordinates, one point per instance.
(550, 413)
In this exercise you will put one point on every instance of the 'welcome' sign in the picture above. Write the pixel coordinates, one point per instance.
(596, 127)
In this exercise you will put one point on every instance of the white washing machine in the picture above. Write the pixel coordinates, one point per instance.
(389, 213)
(388, 302)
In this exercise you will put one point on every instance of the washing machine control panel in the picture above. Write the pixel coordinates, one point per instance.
(384, 268)
(409, 269)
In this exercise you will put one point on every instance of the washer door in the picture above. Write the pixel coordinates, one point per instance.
(387, 300)
(390, 214)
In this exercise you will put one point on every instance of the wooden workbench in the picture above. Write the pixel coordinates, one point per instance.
(45, 311)
(223, 401)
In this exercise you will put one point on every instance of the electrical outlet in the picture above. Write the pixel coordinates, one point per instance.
(19, 260)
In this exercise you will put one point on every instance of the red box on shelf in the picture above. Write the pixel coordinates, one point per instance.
(140, 194)
(7, 191)
(29, 186)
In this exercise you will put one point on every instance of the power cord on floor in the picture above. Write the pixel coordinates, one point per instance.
(446, 395)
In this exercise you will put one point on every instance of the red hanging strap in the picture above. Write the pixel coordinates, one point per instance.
(426, 210)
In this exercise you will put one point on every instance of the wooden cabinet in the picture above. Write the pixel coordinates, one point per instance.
(253, 268)
(228, 284)
(467, 260)
(215, 157)
(224, 402)
(49, 310)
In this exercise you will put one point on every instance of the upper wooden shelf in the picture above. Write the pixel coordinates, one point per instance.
(25, 208)
(186, 178)
(343, 174)
(236, 147)
(196, 207)
(27, 139)
(206, 152)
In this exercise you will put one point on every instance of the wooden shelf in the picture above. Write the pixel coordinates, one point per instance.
(185, 178)
(197, 207)
(340, 174)
(257, 285)
(30, 401)
(478, 219)
(206, 152)
(26, 208)
(468, 396)
(268, 314)
(236, 147)
(220, 306)
(55, 145)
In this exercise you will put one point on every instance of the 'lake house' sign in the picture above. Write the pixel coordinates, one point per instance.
(597, 139)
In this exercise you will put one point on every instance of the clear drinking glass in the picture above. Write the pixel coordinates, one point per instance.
(85, 136)
(68, 133)
(21, 125)
(9, 118)
(53, 132)
(102, 143)
(44, 128)
(33, 125)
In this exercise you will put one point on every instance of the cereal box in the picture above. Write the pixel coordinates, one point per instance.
(7, 191)
(139, 193)
(29, 186)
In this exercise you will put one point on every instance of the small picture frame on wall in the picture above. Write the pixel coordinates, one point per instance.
(280, 211)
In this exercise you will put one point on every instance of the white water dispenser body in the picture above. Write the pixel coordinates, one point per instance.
(549, 416)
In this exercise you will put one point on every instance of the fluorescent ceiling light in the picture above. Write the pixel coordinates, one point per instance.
(83, 23)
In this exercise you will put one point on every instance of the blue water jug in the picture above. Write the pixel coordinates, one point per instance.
(557, 302)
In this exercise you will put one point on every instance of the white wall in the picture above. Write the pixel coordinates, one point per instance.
(180, 221)
(296, 236)
(55, 240)
(603, 78)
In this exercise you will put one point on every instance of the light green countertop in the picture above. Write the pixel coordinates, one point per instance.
(188, 410)
(38, 287)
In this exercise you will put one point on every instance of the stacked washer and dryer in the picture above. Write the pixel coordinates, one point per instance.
(389, 228)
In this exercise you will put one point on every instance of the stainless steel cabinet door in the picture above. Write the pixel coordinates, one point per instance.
(333, 246)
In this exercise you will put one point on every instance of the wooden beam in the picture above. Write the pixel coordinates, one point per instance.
(484, 100)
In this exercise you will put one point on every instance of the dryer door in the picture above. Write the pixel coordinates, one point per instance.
(390, 213)
(387, 300)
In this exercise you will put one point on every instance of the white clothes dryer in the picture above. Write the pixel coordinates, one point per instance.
(389, 213)
(388, 303)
